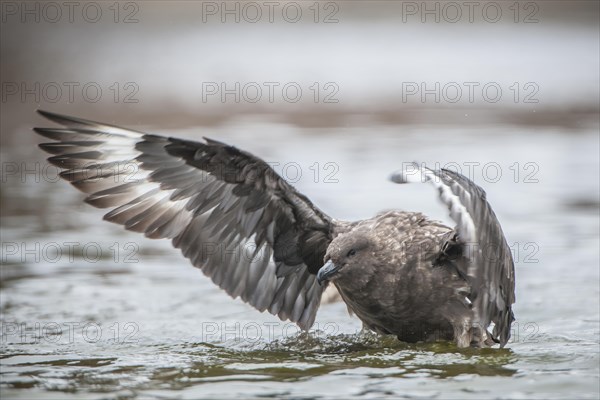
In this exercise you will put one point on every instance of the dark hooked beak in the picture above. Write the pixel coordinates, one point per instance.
(326, 272)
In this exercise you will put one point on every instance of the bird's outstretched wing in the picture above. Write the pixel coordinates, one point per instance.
(228, 211)
(491, 267)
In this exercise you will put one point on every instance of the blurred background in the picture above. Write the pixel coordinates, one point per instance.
(336, 95)
(372, 53)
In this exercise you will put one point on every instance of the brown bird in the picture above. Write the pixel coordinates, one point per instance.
(258, 238)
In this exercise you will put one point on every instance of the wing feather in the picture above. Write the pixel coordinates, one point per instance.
(491, 267)
(230, 214)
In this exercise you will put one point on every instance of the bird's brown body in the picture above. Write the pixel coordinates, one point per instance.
(408, 288)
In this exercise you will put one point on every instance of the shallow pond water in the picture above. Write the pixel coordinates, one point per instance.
(90, 311)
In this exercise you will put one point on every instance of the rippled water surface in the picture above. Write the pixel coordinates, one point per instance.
(120, 316)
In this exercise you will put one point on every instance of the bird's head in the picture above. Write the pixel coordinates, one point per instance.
(346, 255)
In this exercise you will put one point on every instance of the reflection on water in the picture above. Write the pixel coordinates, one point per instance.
(91, 311)
(296, 359)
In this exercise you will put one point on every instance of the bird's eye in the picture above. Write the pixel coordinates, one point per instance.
(351, 253)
